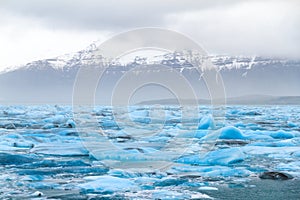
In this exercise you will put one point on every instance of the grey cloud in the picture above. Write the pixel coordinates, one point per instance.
(105, 15)
(218, 31)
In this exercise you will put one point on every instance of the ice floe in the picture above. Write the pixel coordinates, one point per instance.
(154, 152)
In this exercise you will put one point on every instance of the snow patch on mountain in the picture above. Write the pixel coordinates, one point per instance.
(180, 60)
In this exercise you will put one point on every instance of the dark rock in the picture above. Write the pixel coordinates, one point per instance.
(275, 176)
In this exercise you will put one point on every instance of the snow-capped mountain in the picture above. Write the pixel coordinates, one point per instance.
(63, 63)
(51, 80)
(89, 56)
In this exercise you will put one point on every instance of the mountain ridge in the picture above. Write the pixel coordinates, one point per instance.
(52, 80)
(241, 100)
(89, 56)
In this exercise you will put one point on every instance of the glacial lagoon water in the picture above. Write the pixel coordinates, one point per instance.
(145, 152)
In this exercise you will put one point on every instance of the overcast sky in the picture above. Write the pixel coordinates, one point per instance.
(35, 29)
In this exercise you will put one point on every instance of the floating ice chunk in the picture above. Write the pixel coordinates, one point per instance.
(57, 119)
(43, 185)
(158, 139)
(240, 124)
(71, 123)
(38, 114)
(263, 150)
(37, 194)
(14, 136)
(200, 196)
(194, 134)
(53, 163)
(169, 182)
(146, 181)
(231, 132)
(15, 111)
(256, 135)
(208, 188)
(7, 125)
(227, 172)
(141, 116)
(172, 118)
(33, 178)
(137, 171)
(61, 149)
(168, 194)
(210, 171)
(15, 140)
(108, 184)
(66, 132)
(282, 143)
(282, 135)
(109, 123)
(296, 154)
(50, 126)
(218, 157)
(22, 144)
(296, 134)
(251, 113)
(120, 134)
(292, 166)
(132, 155)
(206, 122)
(121, 155)
(291, 124)
(17, 159)
(7, 148)
(122, 173)
(47, 171)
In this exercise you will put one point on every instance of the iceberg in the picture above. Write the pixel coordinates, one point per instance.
(218, 157)
(141, 116)
(210, 171)
(208, 188)
(206, 122)
(281, 135)
(194, 134)
(230, 132)
(57, 119)
(107, 184)
(169, 195)
(60, 149)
